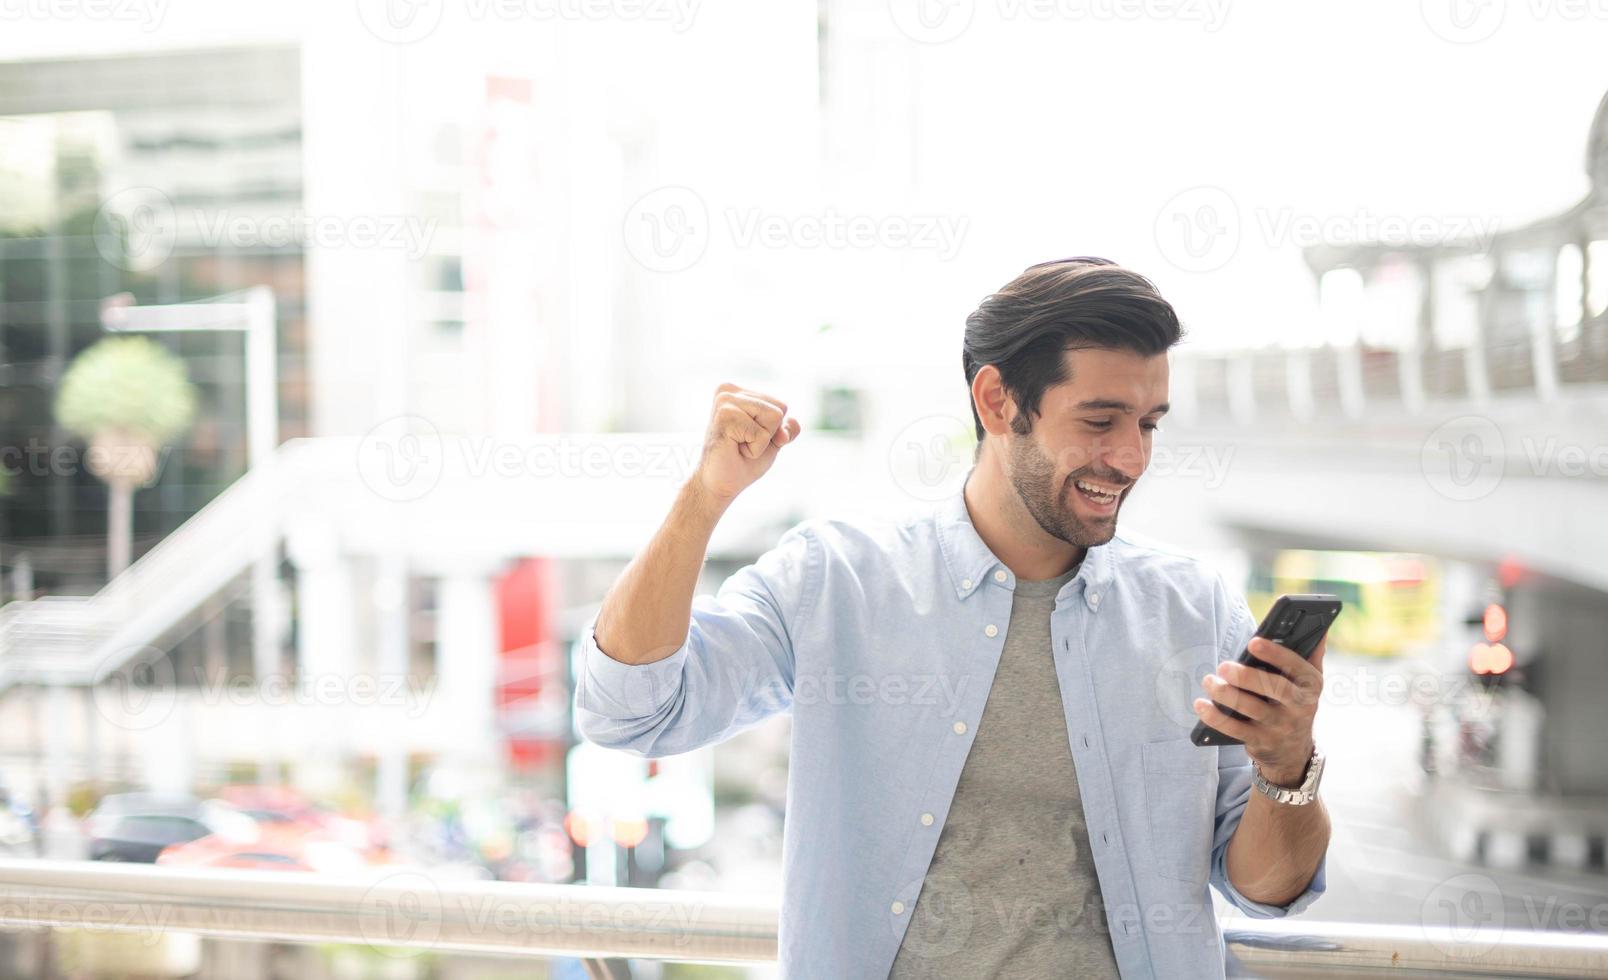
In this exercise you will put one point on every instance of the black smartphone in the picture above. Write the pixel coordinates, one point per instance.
(1295, 621)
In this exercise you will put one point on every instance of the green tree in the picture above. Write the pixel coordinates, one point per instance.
(127, 397)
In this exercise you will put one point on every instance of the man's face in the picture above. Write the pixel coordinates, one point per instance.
(1090, 443)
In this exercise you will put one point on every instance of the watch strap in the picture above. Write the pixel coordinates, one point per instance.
(1293, 795)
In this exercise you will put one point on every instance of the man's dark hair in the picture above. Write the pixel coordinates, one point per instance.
(1053, 307)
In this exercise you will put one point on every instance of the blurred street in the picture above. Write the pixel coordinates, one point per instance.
(354, 357)
(1387, 861)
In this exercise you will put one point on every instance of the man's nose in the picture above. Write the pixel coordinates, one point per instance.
(1125, 455)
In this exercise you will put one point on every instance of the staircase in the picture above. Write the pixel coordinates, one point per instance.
(81, 639)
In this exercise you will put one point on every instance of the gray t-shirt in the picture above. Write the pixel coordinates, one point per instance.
(1012, 891)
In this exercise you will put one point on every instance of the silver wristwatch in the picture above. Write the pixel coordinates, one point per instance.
(1294, 795)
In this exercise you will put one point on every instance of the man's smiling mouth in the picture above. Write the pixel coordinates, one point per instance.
(1099, 493)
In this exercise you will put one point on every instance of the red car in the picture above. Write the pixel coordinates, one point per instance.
(278, 847)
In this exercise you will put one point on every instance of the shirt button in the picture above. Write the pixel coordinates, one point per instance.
(991, 629)
(999, 576)
(960, 728)
(1094, 600)
(898, 908)
(926, 820)
(965, 583)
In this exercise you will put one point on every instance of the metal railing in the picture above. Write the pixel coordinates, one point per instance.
(411, 909)
(1356, 380)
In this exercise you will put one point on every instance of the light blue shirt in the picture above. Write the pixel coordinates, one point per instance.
(882, 640)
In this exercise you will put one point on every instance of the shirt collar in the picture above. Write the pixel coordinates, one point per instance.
(971, 562)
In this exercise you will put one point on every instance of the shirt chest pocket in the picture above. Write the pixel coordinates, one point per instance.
(1180, 800)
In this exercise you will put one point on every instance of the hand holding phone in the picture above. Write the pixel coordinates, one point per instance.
(1296, 621)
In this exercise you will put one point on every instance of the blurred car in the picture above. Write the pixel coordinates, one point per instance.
(17, 837)
(286, 847)
(272, 804)
(276, 807)
(137, 827)
(218, 852)
(19, 830)
(115, 805)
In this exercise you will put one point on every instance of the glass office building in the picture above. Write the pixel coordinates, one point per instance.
(135, 174)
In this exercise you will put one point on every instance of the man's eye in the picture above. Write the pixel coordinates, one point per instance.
(1099, 423)
(1150, 426)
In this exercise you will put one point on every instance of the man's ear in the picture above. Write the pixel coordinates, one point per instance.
(993, 403)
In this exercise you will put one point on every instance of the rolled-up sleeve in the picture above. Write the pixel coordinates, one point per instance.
(1233, 794)
(734, 670)
(1234, 787)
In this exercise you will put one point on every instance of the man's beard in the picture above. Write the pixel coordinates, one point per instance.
(1032, 473)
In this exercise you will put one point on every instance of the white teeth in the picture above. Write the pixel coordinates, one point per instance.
(1097, 492)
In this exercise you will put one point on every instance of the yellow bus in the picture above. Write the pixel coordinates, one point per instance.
(1391, 600)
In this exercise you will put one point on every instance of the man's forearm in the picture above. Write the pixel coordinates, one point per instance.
(646, 613)
(1276, 849)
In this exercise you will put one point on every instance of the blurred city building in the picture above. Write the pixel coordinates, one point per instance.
(1498, 349)
(507, 279)
(445, 307)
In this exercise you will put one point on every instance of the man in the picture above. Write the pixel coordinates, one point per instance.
(991, 774)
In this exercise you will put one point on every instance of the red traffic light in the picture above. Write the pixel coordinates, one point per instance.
(1490, 658)
(1496, 623)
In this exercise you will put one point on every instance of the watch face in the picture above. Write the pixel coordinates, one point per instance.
(1314, 774)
